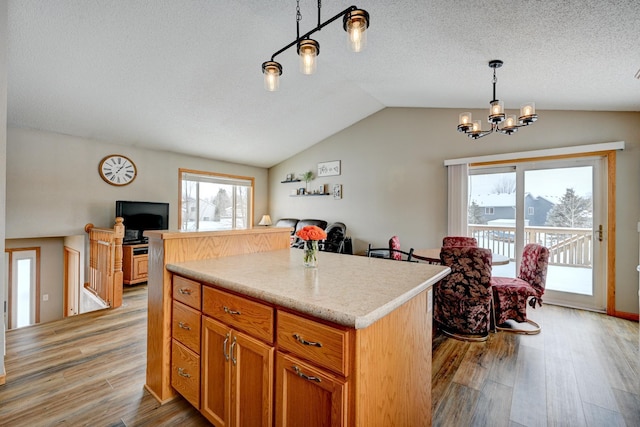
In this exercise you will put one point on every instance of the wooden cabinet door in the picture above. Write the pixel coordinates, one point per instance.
(140, 267)
(215, 372)
(251, 382)
(307, 396)
(237, 377)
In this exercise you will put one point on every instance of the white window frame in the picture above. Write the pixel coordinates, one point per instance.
(216, 178)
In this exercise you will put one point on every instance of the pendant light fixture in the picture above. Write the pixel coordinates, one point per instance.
(354, 21)
(473, 128)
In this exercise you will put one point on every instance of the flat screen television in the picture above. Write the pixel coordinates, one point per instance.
(141, 216)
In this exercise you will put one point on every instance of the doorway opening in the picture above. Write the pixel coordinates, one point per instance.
(23, 279)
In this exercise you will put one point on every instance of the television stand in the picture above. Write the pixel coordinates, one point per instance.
(135, 261)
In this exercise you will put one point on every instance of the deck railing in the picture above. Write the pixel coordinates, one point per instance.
(567, 246)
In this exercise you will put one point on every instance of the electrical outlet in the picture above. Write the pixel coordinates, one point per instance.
(45, 297)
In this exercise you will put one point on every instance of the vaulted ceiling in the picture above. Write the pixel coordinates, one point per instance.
(185, 75)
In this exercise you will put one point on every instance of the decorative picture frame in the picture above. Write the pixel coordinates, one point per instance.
(289, 177)
(331, 168)
(321, 189)
(337, 191)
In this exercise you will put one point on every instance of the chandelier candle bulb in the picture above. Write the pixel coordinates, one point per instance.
(464, 124)
(477, 126)
(496, 111)
(510, 122)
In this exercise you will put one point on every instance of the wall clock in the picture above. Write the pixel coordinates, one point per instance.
(116, 169)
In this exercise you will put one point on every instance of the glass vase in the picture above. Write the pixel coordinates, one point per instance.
(310, 259)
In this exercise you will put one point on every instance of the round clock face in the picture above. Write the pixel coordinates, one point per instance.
(117, 170)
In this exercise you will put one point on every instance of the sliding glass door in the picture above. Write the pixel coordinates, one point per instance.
(559, 204)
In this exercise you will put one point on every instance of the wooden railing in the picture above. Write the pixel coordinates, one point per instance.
(567, 246)
(105, 262)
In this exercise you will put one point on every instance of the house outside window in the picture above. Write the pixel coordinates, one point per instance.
(530, 211)
(212, 201)
(488, 211)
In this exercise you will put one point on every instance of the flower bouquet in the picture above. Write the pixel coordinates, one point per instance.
(311, 234)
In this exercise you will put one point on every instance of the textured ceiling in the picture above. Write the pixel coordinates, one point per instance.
(185, 76)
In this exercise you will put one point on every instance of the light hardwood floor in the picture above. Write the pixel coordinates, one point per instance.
(582, 370)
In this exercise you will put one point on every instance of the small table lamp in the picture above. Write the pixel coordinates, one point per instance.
(266, 220)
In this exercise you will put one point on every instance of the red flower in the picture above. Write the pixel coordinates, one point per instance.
(311, 232)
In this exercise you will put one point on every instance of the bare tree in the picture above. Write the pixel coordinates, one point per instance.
(506, 185)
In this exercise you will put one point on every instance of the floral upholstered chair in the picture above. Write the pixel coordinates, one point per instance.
(511, 294)
(394, 245)
(462, 300)
(459, 241)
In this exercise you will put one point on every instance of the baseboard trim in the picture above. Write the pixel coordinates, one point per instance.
(627, 316)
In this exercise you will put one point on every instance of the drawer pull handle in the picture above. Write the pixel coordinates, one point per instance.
(185, 291)
(184, 326)
(306, 377)
(233, 358)
(224, 347)
(229, 311)
(182, 373)
(305, 342)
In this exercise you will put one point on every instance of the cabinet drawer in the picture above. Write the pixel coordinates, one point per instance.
(185, 326)
(251, 317)
(185, 373)
(187, 291)
(324, 345)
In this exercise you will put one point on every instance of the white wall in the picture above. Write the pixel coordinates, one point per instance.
(394, 180)
(54, 189)
(3, 159)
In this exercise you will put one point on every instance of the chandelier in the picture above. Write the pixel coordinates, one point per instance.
(354, 21)
(473, 128)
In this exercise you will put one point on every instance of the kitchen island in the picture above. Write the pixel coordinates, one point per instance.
(258, 339)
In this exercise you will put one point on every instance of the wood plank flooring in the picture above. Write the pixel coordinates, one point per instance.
(86, 370)
(582, 370)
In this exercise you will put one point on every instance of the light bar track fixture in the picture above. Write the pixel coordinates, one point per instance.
(354, 21)
(473, 128)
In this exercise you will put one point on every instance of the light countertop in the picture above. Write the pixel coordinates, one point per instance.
(349, 290)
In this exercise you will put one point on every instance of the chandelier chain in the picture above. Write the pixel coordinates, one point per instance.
(298, 14)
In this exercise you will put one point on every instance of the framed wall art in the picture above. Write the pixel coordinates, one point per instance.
(337, 191)
(329, 168)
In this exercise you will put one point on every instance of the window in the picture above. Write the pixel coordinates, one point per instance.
(530, 211)
(488, 211)
(211, 201)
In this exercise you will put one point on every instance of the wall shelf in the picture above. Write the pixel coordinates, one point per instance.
(293, 180)
(309, 195)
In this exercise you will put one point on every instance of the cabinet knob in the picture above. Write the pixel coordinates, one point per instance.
(185, 291)
(184, 326)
